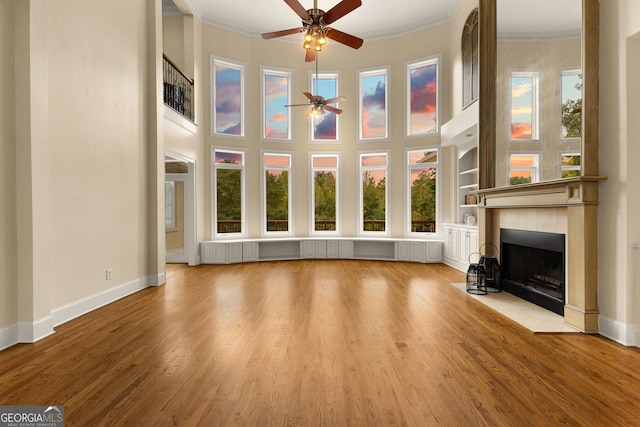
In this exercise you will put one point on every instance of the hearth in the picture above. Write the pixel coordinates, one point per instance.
(533, 267)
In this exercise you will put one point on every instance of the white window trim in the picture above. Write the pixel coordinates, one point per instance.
(215, 61)
(312, 219)
(324, 76)
(535, 104)
(263, 194)
(370, 72)
(407, 192)
(535, 169)
(408, 66)
(572, 71)
(360, 170)
(243, 190)
(279, 72)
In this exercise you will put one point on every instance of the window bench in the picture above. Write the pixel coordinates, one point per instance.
(265, 249)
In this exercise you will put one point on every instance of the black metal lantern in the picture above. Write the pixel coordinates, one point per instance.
(476, 277)
(491, 269)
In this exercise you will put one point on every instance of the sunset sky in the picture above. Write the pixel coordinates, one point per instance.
(276, 114)
(228, 100)
(373, 107)
(423, 98)
(521, 107)
(324, 127)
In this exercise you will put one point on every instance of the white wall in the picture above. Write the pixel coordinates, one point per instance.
(619, 262)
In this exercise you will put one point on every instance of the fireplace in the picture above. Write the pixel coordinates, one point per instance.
(533, 267)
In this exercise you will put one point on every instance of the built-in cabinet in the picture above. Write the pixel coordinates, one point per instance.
(467, 185)
(460, 245)
(229, 252)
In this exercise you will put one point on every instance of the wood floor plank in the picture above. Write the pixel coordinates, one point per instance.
(318, 343)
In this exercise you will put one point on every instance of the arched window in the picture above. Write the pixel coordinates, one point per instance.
(470, 60)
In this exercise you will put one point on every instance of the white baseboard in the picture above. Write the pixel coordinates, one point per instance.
(622, 333)
(26, 332)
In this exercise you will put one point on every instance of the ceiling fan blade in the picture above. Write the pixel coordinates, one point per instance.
(338, 99)
(332, 109)
(309, 95)
(344, 38)
(339, 10)
(299, 9)
(281, 33)
(310, 56)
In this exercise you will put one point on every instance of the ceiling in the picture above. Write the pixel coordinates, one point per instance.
(378, 19)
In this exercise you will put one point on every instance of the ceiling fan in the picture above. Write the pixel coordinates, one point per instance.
(315, 25)
(318, 103)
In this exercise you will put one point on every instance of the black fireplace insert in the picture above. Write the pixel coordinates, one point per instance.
(533, 267)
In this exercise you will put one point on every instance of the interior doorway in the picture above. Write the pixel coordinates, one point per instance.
(179, 209)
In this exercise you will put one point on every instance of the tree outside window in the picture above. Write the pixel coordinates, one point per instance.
(373, 193)
(422, 173)
(324, 169)
(229, 192)
(277, 190)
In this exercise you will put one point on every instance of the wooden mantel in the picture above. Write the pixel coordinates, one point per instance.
(575, 200)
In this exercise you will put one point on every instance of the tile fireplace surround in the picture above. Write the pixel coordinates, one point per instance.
(569, 207)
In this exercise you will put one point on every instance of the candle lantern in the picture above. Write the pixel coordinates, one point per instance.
(476, 283)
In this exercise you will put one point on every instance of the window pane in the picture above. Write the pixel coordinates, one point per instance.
(373, 108)
(229, 200)
(271, 160)
(228, 100)
(325, 126)
(423, 200)
(277, 199)
(325, 162)
(521, 107)
(324, 193)
(423, 99)
(276, 96)
(571, 106)
(423, 157)
(521, 161)
(374, 200)
(227, 157)
(374, 160)
(169, 204)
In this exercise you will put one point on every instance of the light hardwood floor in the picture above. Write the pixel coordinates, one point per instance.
(318, 343)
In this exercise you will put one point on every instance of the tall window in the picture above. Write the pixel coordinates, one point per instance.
(373, 196)
(373, 123)
(325, 126)
(276, 93)
(229, 190)
(571, 104)
(470, 60)
(570, 164)
(325, 193)
(277, 191)
(422, 194)
(227, 82)
(524, 105)
(422, 96)
(523, 168)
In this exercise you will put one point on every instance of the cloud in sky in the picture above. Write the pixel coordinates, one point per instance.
(325, 126)
(423, 98)
(228, 102)
(276, 114)
(520, 131)
(373, 107)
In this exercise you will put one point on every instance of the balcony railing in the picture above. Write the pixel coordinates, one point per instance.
(178, 88)
(231, 226)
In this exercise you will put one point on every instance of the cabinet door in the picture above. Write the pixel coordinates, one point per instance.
(345, 249)
(219, 253)
(417, 252)
(403, 251)
(307, 249)
(451, 242)
(320, 249)
(250, 251)
(469, 245)
(333, 249)
(234, 252)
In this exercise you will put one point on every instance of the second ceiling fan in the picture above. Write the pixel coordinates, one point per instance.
(315, 25)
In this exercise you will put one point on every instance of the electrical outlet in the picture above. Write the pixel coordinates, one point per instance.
(109, 274)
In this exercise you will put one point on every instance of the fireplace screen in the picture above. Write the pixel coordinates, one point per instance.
(533, 267)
